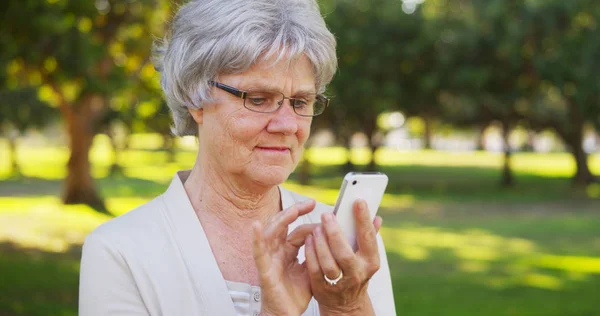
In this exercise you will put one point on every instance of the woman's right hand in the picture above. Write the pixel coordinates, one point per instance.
(285, 284)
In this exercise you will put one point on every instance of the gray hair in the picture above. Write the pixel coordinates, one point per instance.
(212, 37)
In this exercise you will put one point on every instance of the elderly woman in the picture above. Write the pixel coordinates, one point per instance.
(245, 77)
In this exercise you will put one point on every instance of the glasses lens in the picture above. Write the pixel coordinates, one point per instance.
(320, 105)
(309, 105)
(268, 102)
(262, 101)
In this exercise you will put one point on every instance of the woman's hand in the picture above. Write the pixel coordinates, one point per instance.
(284, 282)
(328, 251)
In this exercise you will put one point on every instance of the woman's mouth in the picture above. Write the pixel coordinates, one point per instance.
(274, 149)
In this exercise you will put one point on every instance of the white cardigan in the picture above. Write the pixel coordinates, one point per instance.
(156, 260)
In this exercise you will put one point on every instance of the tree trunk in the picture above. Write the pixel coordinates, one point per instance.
(428, 133)
(374, 143)
(529, 146)
(507, 175)
(169, 146)
(583, 175)
(79, 187)
(480, 145)
(305, 166)
(373, 164)
(573, 137)
(115, 168)
(14, 163)
(349, 166)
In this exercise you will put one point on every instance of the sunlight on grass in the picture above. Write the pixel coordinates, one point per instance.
(412, 252)
(550, 164)
(474, 266)
(477, 251)
(50, 162)
(511, 253)
(593, 190)
(160, 174)
(387, 156)
(122, 205)
(568, 263)
(45, 223)
(40, 162)
(542, 281)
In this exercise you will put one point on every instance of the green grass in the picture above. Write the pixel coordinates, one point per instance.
(457, 243)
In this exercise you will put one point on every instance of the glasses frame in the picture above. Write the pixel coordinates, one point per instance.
(243, 94)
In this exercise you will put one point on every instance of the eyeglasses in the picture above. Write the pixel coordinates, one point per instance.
(306, 104)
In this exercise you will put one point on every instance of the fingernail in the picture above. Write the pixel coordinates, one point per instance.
(358, 204)
(326, 218)
(362, 204)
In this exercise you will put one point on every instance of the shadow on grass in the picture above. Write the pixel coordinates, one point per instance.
(35, 282)
(118, 186)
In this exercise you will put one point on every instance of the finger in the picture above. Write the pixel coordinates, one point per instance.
(298, 236)
(377, 222)
(312, 262)
(340, 248)
(307, 207)
(365, 231)
(261, 256)
(280, 222)
(327, 263)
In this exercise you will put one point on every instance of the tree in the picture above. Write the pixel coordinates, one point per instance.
(82, 52)
(532, 63)
(491, 58)
(564, 37)
(429, 59)
(365, 85)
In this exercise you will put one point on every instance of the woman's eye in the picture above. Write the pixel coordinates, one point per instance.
(257, 101)
(299, 103)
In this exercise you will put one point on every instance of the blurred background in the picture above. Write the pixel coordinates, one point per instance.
(484, 113)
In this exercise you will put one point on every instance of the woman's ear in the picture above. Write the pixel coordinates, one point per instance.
(197, 114)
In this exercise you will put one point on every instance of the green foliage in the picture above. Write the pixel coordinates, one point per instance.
(80, 54)
(365, 85)
(78, 47)
(22, 109)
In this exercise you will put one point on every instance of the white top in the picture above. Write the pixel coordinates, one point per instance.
(246, 298)
(156, 260)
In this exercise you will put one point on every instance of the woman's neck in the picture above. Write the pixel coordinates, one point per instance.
(229, 200)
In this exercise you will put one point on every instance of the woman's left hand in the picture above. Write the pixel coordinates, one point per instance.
(328, 252)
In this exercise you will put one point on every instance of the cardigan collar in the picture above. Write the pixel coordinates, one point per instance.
(209, 284)
(211, 290)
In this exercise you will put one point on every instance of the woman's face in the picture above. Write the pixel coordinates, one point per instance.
(261, 147)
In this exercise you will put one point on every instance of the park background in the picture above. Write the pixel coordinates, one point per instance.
(484, 114)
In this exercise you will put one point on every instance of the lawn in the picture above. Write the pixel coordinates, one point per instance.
(456, 243)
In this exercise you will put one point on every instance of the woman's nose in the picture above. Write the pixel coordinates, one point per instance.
(284, 120)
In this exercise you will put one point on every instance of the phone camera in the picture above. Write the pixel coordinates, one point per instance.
(354, 182)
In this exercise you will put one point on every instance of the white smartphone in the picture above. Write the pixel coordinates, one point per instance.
(369, 186)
